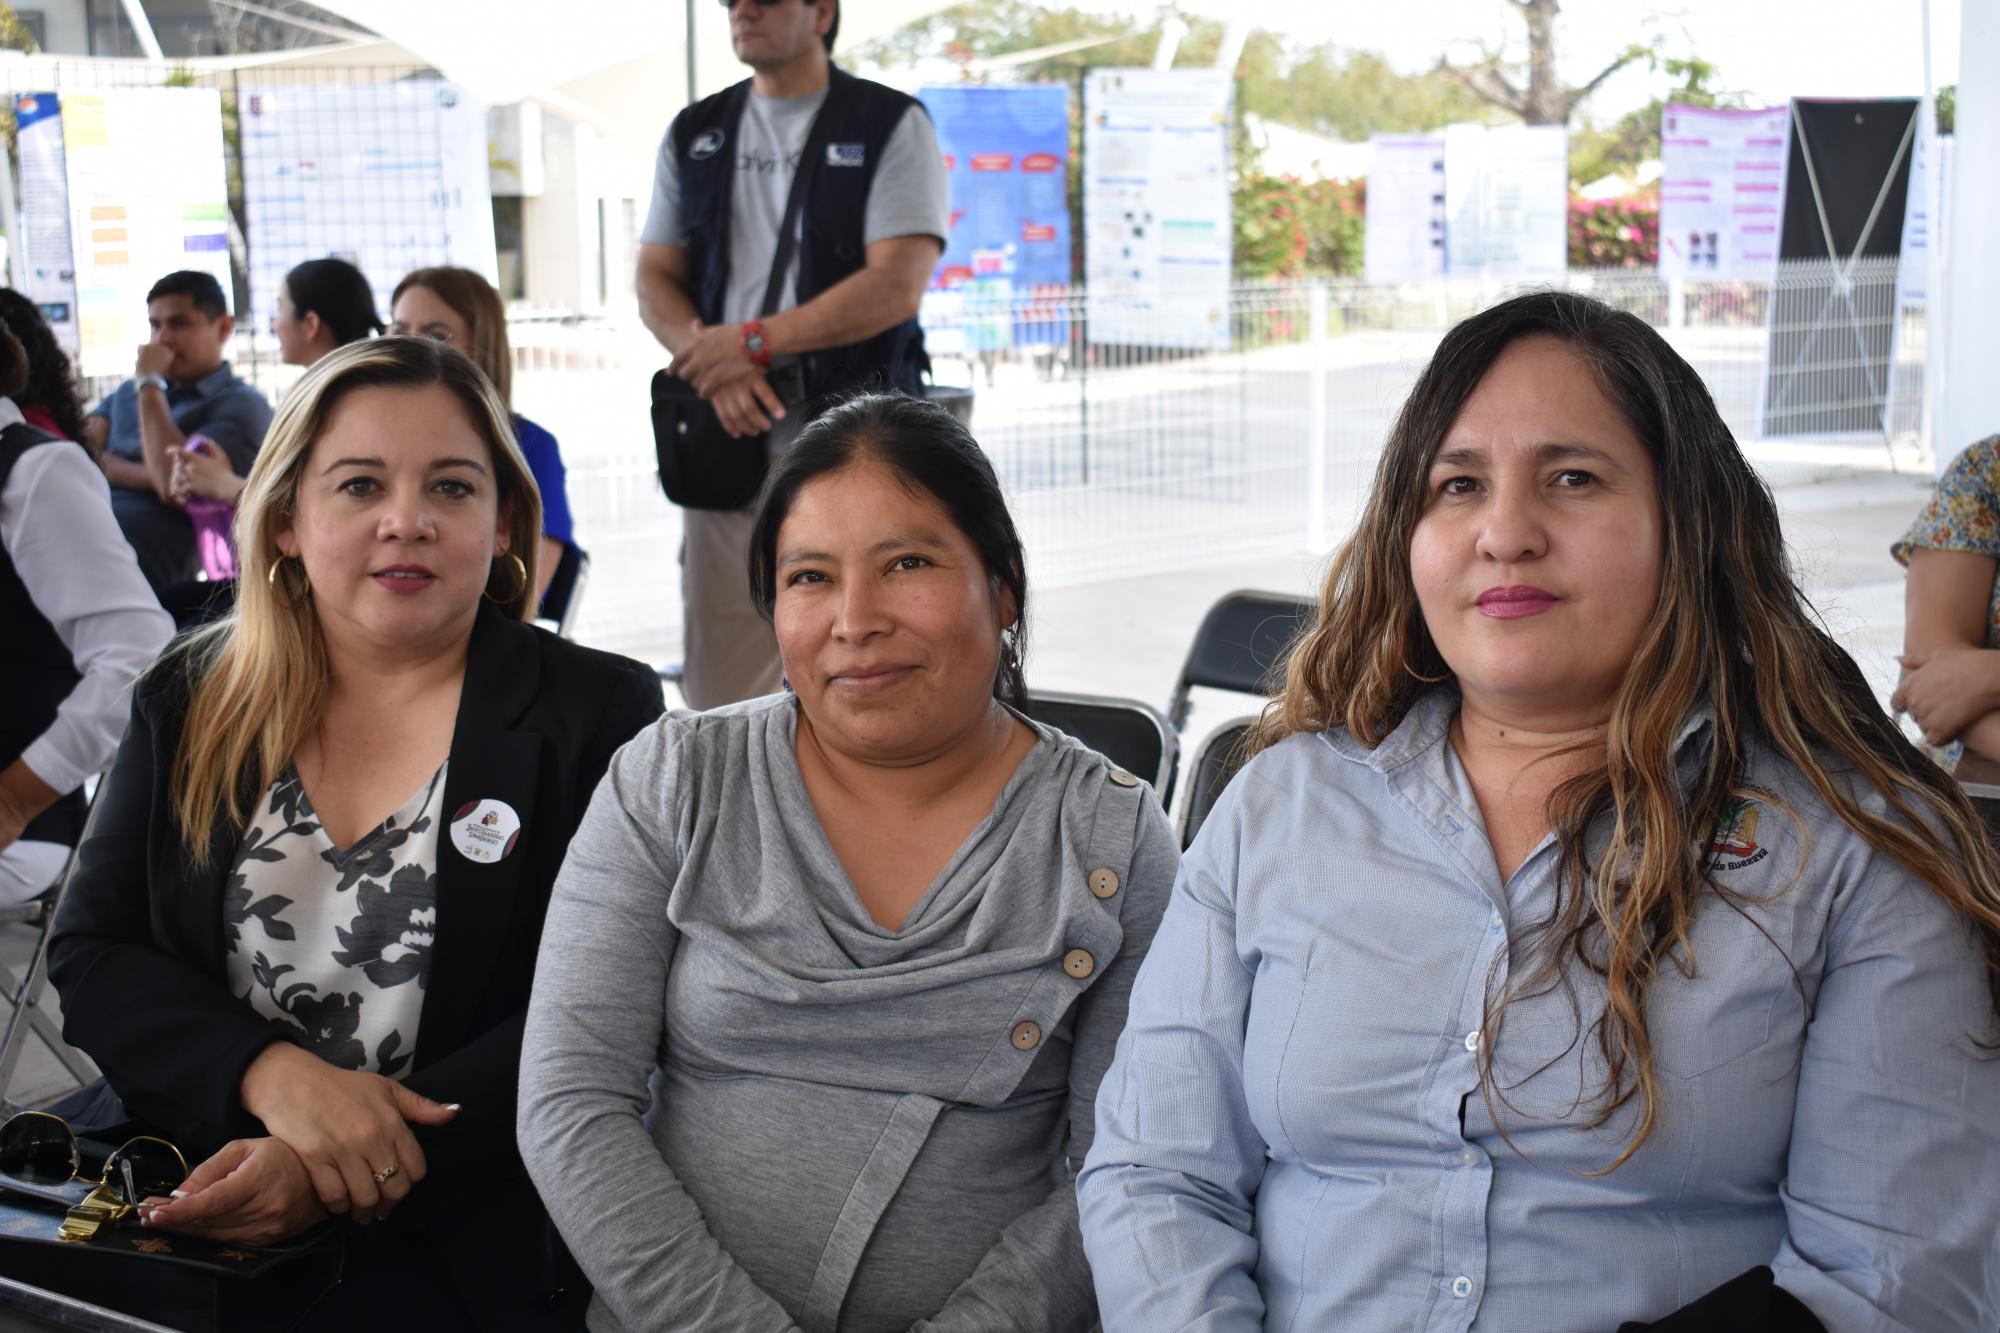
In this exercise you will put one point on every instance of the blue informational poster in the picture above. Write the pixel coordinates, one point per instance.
(1006, 153)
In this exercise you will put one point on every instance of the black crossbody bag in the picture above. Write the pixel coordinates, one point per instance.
(701, 465)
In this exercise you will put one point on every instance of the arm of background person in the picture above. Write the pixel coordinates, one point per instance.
(664, 303)
(882, 293)
(593, 1037)
(1167, 1192)
(1945, 609)
(1889, 1202)
(96, 434)
(1035, 1277)
(55, 516)
(159, 438)
(482, 1077)
(170, 1039)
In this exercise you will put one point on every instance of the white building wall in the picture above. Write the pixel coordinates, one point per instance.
(1972, 306)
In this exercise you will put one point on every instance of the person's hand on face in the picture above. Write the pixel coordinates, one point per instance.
(153, 359)
(1537, 560)
(1948, 690)
(398, 518)
(887, 620)
(252, 1192)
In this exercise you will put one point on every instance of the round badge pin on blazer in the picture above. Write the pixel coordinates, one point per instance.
(485, 830)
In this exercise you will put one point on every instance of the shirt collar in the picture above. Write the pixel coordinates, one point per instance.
(10, 414)
(211, 384)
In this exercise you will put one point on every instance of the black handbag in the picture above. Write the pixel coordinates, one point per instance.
(701, 465)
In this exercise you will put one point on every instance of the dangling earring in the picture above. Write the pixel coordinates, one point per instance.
(520, 577)
(1010, 655)
(1428, 680)
(785, 683)
(305, 580)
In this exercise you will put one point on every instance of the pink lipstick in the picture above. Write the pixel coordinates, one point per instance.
(1515, 602)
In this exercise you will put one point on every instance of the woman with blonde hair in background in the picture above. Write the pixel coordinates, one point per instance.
(1584, 946)
(458, 307)
(300, 939)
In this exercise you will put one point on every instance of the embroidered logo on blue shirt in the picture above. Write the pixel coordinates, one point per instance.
(1737, 837)
(846, 154)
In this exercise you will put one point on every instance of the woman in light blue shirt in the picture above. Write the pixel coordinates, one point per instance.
(1584, 946)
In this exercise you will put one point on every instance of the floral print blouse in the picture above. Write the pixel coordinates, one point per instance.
(1963, 515)
(334, 944)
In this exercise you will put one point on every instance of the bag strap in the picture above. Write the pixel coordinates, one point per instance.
(815, 140)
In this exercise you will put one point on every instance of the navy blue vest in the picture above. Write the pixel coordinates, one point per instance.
(34, 662)
(864, 116)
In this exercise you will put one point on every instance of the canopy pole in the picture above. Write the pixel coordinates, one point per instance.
(690, 49)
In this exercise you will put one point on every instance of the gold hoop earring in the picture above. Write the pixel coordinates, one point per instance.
(305, 580)
(520, 578)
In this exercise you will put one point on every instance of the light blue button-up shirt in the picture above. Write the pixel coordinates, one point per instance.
(1293, 1137)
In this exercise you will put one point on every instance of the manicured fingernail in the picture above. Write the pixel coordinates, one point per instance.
(451, 1106)
(178, 1194)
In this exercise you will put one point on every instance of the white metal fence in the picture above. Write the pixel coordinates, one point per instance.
(1123, 460)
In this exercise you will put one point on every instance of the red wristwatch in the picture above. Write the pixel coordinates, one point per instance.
(755, 345)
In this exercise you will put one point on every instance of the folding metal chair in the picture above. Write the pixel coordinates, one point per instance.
(1215, 764)
(1129, 733)
(565, 592)
(25, 1015)
(1241, 646)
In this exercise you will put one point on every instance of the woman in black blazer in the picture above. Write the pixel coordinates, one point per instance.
(308, 977)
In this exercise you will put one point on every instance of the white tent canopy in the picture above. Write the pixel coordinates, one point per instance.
(620, 64)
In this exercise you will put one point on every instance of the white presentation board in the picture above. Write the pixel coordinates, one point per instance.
(1930, 181)
(1156, 206)
(388, 176)
(1722, 176)
(1405, 238)
(1506, 202)
(139, 211)
(48, 261)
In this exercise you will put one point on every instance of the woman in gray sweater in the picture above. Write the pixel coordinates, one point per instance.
(876, 936)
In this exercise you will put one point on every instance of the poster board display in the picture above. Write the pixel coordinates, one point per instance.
(1006, 156)
(1524, 203)
(48, 261)
(1722, 175)
(388, 176)
(137, 213)
(1156, 206)
(1405, 237)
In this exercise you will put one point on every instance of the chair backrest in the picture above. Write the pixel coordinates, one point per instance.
(565, 592)
(1215, 763)
(1129, 733)
(1241, 646)
(1986, 800)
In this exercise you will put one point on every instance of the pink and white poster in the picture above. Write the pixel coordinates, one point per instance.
(1721, 190)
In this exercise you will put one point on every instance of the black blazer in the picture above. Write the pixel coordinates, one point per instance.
(137, 953)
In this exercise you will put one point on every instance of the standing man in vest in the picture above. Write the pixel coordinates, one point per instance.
(871, 228)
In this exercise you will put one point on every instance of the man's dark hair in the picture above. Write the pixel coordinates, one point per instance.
(931, 454)
(833, 28)
(200, 288)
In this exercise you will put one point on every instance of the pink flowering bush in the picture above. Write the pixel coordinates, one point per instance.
(1614, 233)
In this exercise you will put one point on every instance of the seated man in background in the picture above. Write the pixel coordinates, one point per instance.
(180, 386)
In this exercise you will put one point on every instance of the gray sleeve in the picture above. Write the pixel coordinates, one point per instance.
(593, 1036)
(911, 195)
(663, 218)
(1035, 1277)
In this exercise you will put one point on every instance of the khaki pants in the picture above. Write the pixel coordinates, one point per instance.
(731, 653)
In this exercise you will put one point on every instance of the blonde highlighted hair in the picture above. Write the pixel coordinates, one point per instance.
(258, 679)
(1732, 631)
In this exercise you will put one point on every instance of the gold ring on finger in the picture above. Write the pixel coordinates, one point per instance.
(386, 1173)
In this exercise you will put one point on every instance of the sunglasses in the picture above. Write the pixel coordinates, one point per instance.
(40, 1149)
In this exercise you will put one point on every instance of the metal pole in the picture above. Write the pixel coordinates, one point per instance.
(1316, 422)
(142, 29)
(690, 49)
(10, 218)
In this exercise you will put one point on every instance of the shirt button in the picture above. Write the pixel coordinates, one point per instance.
(1461, 1287)
(1079, 964)
(1103, 882)
(1027, 1035)
(1123, 779)
(1472, 1041)
(1469, 1157)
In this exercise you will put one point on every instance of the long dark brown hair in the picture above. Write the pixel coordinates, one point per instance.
(1732, 630)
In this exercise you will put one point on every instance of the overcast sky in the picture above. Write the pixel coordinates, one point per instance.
(1771, 49)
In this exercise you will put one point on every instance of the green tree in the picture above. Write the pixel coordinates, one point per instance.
(1618, 149)
(1947, 108)
(14, 34)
